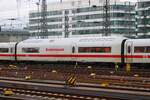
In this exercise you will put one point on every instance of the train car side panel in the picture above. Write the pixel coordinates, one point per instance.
(100, 50)
(7, 51)
(140, 51)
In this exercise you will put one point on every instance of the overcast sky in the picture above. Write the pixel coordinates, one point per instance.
(8, 8)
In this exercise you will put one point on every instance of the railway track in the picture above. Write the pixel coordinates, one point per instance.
(81, 69)
(44, 95)
(53, 96)
(20, 88)
(113, 85)
(83, 74)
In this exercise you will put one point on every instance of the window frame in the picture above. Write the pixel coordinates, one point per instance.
(5, 50)
(144, 49)
(30, 50)
(94, 50)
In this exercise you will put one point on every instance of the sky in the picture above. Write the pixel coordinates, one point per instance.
(12, 9)
(9, 8)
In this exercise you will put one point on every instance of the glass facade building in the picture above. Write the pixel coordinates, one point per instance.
(143, 17)
(83, 18)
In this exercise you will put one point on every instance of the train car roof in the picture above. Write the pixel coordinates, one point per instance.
(100, 41)
(70, 40)
(140, 41)
(7, 45)
(58, 41)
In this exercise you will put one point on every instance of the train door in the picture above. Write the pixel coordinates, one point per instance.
(129, 51)
(12, 52)
(74, 50)
(145, 53)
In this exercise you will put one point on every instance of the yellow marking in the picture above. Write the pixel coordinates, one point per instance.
(28, 77)
(128, 67)
(71, 80)
(8, 92)
(104, 84)
(116, 67)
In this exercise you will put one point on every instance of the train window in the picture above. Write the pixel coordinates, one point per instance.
(30, 50)
(147, 49)
(80, 49)
(4, 50)
(139, 49)
(94, 49)
(129, 49)
(106, 49)
(11, 50)
(73, 49)
(97, 49)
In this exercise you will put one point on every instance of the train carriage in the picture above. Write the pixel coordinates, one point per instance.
(105, 49)
(89, 49)
(137, 51)
(45, 50)
(7, 51)
(85, 49)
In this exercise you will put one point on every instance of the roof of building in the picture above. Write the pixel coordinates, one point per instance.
(70, 4)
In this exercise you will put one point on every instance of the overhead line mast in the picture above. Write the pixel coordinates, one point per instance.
(106, 18)
(44, 31)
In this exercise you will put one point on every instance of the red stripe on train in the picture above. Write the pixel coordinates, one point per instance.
(7, 55)
(69, 55)
(75, 55)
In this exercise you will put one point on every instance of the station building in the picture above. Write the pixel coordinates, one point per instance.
(85, 17)
(143, 17)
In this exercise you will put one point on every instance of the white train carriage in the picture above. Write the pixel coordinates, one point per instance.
(85, 49)
(7, 51)
(100, 49)
(45, 50)
(89, 49)
(137, 51)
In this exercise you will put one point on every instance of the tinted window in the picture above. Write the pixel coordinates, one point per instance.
(30, 50)
(4, 50)
(94, 49)
(147, 49)
(138, 49)
(142, 49)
